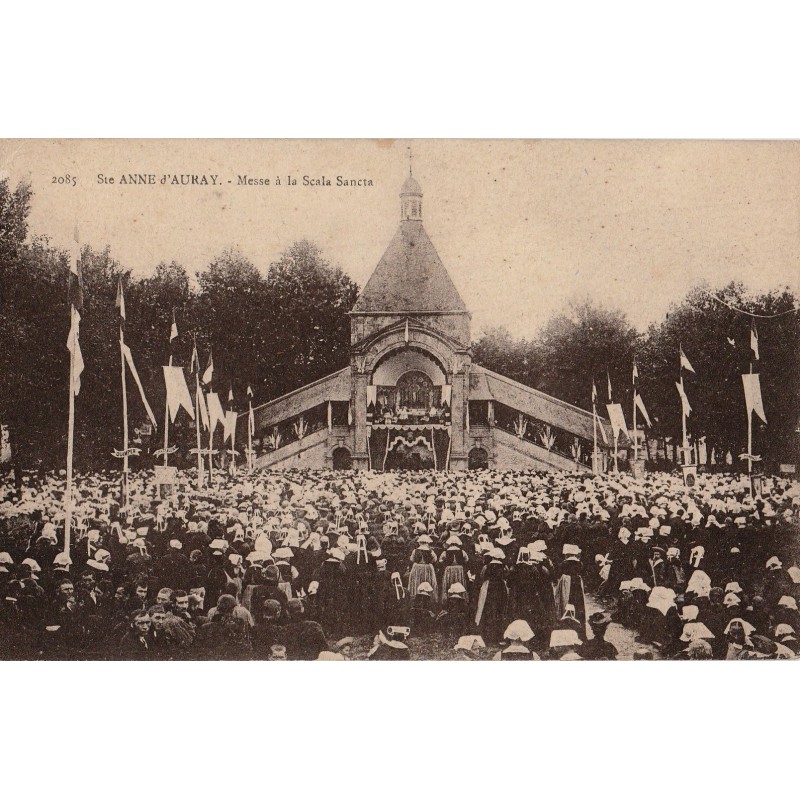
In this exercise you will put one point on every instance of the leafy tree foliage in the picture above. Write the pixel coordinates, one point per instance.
(274, 330)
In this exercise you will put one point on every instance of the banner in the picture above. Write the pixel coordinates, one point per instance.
(447, 394)
(165, 480)
(372, 395)
(74, 346)
(685, 362)
(752, 395)
(216, 416)
(617, 419)
(640, 405)
(201, 404)
(177, 392)
(229, 426)
(687, 409)
(129, 358)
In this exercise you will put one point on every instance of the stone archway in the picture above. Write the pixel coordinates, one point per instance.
(478, 459)
(342, 458)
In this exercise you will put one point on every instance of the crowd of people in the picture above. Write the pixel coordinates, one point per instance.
(297, 564)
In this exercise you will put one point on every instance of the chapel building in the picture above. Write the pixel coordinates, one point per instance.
(411, 397)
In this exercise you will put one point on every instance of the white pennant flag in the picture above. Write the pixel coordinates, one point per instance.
(229, 427)
(201, 404)
(617, 419)
(640, 405)
(687, 409)
(754, 340)
(129, 358)
(685, 362)
(216, 416)
(74, 346)
(752, 395)
(177, 392)
(601, 426)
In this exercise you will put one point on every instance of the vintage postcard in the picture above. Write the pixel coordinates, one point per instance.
(399, 400)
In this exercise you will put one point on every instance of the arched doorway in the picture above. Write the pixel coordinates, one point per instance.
(342, 458)
(478, 459)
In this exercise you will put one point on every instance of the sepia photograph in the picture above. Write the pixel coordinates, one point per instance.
(399, 400)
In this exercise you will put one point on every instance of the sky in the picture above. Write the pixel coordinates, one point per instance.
(523, 226)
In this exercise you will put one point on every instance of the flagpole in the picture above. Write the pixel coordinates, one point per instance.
(232, 465)
(70, 440)
(196, 359)
(250, 435)
(594, 429)
(166, 424)
(685, 443)
(124, 422)
(635, 437)
(210, 448)
(750, 443)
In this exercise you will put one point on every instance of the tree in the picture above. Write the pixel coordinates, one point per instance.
(579, 345)
(704, 327)
(307, 318)
(518, 359)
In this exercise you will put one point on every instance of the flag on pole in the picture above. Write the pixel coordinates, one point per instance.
(685, 362)
(74, 346)
(230, 393)
(752, 395)
(635, 375)
(608, 375)
(687, 409)
(173, 331)
(249, 392)
(129, 358)
(75, 290)
(201, 404)
(616, 418)
(594, 393)
(602, 430)
(640, 405)
(229, 426)
(216, 415)
(75, 297)
(177, 392)
(754, 339)
(120, 304)
(209, 373)
(251, 421)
